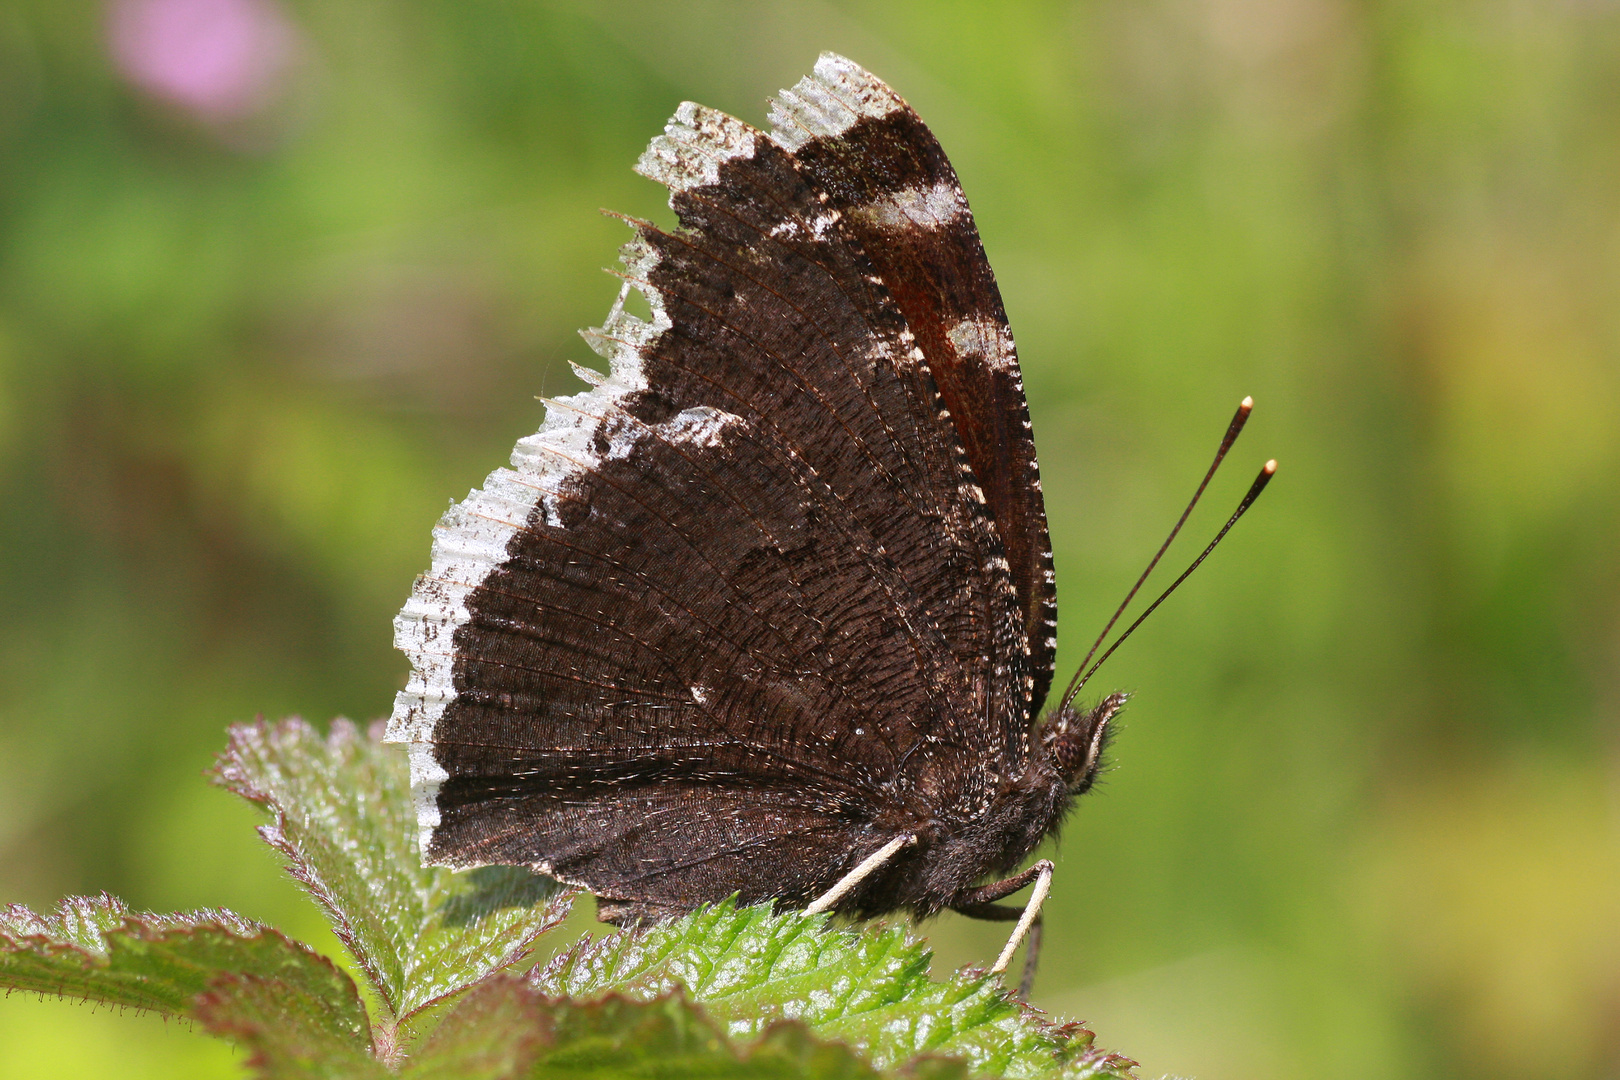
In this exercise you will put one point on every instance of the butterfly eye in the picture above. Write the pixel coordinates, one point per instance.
(1076, 740)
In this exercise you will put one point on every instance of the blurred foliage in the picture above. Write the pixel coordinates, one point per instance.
(1363, 820)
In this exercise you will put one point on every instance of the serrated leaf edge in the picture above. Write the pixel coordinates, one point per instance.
(1072, 1054)
(229, 774)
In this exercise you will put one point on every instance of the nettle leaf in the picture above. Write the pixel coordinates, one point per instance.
(506, 1028)
(670, 1037)
(750, 968)
(95, 948)
(342, 815)
(272, 1022)
(498, 1029)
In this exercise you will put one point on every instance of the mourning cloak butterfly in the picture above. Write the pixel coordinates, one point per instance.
(769, 610)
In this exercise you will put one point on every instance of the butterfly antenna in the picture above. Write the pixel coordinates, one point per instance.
(1255, 489)
(1241, 417)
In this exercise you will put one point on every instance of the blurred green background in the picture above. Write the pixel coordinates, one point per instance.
(279, 279)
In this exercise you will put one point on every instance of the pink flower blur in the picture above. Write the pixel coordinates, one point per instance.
(221, 59)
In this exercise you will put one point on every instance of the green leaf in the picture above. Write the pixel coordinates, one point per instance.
(272, 1021)
(95, 948)
(789, 1049)
(669, 1037)
(505, 1028)
(870, 988)
(496, 1030)
(342, 814)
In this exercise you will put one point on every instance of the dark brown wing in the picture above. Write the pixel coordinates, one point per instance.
(737, 614)
(859, 142)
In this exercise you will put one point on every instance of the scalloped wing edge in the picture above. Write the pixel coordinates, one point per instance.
(471, 540)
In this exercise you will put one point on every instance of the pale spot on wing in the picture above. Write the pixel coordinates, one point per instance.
(922, 208)
(983, 339)
(700, 426)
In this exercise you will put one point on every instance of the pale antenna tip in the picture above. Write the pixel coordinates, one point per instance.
(1271, 467)
(1246, 404)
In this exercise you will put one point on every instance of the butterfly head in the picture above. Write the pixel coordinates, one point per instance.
(1076, 738)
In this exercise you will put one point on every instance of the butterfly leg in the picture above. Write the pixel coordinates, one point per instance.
(882, 855)
(977, 904)
(629, 913)
(1032, 941)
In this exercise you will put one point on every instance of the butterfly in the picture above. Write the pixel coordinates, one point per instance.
(769, 609)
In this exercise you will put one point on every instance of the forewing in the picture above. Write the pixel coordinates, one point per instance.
(858, 141)
(746, 578)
